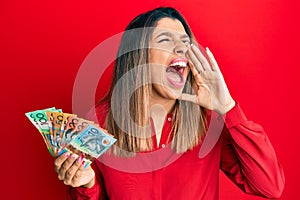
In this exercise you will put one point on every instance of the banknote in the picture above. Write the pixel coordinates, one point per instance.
(50, 117)
(63, 127)
(93, 141)
(70, 129)
(40, 121)
(66, 132)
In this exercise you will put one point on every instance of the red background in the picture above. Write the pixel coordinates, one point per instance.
(43, 44)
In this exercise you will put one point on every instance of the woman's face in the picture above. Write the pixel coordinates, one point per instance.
(168, 63)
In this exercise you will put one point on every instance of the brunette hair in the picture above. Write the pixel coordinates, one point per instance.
(128, 112)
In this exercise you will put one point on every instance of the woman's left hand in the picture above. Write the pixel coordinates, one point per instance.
(211, 91)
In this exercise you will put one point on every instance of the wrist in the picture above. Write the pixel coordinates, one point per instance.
(229, 105)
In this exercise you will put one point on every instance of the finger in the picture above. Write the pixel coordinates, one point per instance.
(197, 76)
(200, 57)
(196, 62)
(191, 65)
(214, 64)
(69, 175)
(77, 176)
(189, 98)
(66, 165)
(60, 160)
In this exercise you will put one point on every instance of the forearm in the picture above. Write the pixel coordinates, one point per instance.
(254, 165)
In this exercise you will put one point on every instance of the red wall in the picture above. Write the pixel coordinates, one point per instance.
(43, 44)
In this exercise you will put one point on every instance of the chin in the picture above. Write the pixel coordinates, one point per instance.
(174, 93)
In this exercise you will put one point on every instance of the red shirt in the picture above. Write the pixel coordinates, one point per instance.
(243, 152)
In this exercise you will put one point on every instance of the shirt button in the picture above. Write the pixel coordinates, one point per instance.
(169, 119)
(163, 145)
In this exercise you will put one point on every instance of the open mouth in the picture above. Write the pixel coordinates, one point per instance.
(175, 72)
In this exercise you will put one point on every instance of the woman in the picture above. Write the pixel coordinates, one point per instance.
(163, 93)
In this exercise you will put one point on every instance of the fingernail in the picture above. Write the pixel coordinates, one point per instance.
(192, 44)
(66, 154)
(207, 49)
(73, 156)
(80, 158)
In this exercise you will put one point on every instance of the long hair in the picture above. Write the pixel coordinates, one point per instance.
(129, 95)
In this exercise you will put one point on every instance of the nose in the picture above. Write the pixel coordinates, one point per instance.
(180, 48)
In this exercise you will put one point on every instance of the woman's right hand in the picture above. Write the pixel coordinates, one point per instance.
(70, 170)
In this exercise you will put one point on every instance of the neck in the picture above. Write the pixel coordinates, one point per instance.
(158, 116)
(159, 108)
(166, 104)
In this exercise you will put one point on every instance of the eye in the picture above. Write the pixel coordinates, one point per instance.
(164, 40)
(186, 41)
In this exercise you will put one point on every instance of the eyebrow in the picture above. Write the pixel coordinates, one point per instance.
(168, 34)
